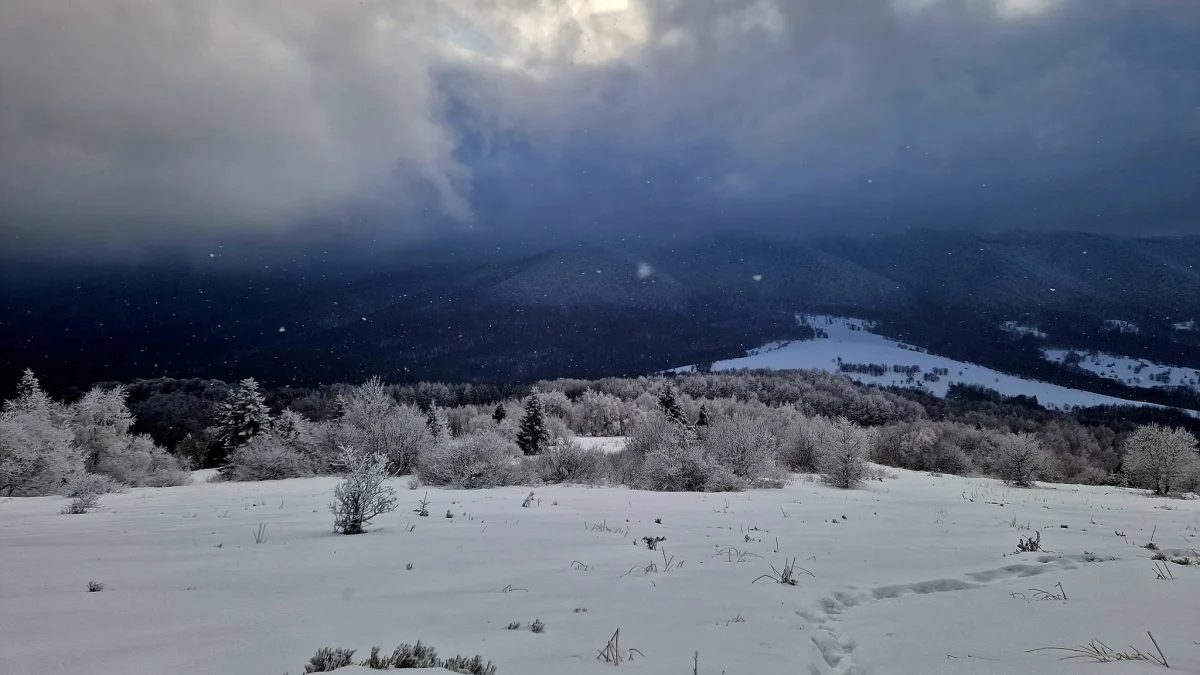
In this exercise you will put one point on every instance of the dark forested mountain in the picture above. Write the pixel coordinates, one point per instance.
(588, 310)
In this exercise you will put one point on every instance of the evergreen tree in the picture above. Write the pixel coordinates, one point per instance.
(670, 406)
(702, 418)
(433, 420)
(242, 416)
(29, 385)
(500, 413)
(532, 437)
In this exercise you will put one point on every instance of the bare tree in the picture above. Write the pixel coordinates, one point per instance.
(1159, 457)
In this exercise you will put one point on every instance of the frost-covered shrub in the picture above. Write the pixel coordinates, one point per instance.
(82, 503)
(266, 457)
(138, 462)
(567, 461)
(844, 450)
(329, 659)
(91, 484)
(373, 422)
(1020, 459)
(475, 461)
(798, 445)
(1160, 458)
(363, 494)
(745, 447)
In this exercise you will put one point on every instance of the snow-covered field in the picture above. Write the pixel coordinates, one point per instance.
(605, 443)
(1130, 371)
(849, 341)
(912, 575)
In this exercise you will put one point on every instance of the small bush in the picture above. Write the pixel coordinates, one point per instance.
(363, 494)
(1030, 544)
(475, 461)
(95, 586)
(566, 461)
(82, 504)
(92, 484)
(329, 659)
(405, 656)
(514, 625)
(265, 457)
(537, 626)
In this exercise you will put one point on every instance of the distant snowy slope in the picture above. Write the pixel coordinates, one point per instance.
(1128, 370)
(850, 342)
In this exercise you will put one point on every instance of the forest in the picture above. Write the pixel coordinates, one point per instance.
(700, 431)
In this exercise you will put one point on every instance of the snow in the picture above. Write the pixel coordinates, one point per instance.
(606, 443)
(1122, 326)
(1018, 328)
(1186, 325)
(1130, 371)
(912, 575)
(852, 342)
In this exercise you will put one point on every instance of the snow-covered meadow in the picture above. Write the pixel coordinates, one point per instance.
(1128, 370)
(915, 574)
(850, 341)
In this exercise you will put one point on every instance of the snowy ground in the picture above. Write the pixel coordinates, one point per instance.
(1130, 371)
(605, 443)
(913, 575)
(863, 347)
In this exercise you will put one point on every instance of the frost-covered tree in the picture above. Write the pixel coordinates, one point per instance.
(435, 420)
(242, 415)
(363, 493)
(844, 447)
(37, 452)
(101, 421)
(532, 436)
(1020, 459)
(374, 423)
(746, 447)
(1159, 458)
(669, 406)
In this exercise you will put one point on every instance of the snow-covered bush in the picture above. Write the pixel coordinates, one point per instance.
(267, 457)
(844, 449)
(91, 484)
(799, 444)
(1019, 459)
(373, 422)
(567, 461)
(363, 494)
(474, 461)
(1160, 458)
(82, 503)
(746, 447)
(138, 462)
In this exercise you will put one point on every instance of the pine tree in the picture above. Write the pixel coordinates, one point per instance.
(670, 407)
(242, 416)
(532, 436)
(29, 385)
(433, 420)
(702, 418)
(500, 413)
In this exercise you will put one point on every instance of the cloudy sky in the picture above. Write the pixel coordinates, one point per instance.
(132, 123)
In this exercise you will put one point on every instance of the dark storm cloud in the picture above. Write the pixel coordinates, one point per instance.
(129, 121)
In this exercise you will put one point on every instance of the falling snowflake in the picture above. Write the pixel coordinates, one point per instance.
(757, 277)
(644, 270)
